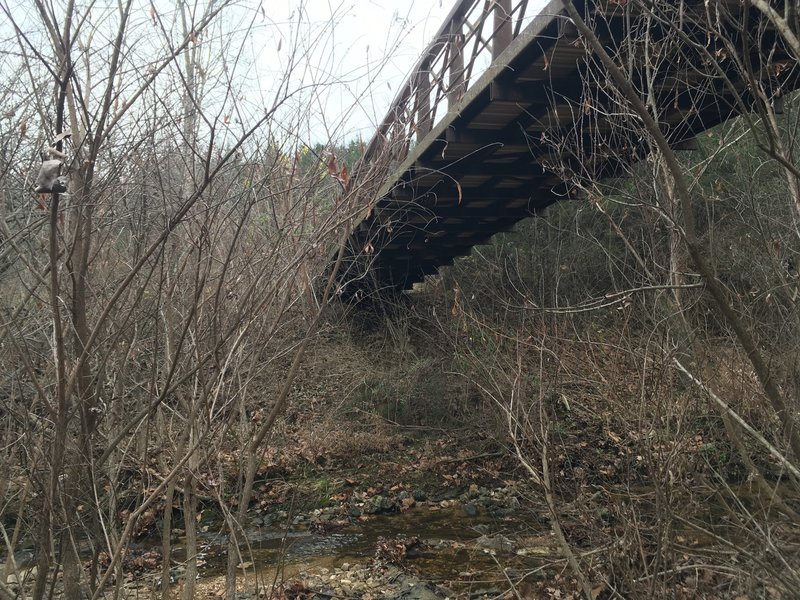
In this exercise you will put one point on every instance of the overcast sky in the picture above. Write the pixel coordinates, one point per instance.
(364, 57)
(347, 58)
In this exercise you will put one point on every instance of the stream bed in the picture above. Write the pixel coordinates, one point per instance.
(452, 547)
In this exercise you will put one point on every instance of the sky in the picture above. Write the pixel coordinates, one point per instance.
(347, 59)
(362, 60)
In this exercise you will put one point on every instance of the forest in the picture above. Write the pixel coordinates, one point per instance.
(601, 403)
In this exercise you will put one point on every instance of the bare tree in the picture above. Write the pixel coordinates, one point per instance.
(140, 304)
(670, 288)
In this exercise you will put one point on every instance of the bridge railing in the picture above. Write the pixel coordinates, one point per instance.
(474, 33)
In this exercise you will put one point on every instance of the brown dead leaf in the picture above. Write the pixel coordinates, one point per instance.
(332, 168)
(343, 176)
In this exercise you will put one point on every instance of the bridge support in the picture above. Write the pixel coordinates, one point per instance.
(456, 85)
(502, 27)
(423, 102)
(517, 132)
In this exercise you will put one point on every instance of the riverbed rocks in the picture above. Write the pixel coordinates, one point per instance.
(381, 504)
(391, 572)
(472, 503)
(497, 502)
(495, 543)
(367, 581)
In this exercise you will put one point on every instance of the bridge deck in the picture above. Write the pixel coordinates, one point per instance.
(498, 154)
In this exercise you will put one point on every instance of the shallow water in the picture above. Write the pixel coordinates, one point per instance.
(448, 534)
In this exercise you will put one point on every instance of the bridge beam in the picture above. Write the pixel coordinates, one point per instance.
(536, 124)
(423, 101)
(502, 27)
(456, 86)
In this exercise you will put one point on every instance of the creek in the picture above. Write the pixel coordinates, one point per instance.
(460, 547)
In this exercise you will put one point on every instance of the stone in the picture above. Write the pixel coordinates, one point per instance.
(379, 504)
(358, 588)
(490, 592)
(495, 542)
(419, 591)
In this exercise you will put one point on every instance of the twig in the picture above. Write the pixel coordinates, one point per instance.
(508, 579)
(556, 526)
(610, 299)
(7, 592)
(763, 563)
(445, 461)
(742, 423)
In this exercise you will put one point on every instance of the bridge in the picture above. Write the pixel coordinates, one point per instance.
(505, 109)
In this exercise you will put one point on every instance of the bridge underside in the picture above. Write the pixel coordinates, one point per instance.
(536, 121)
